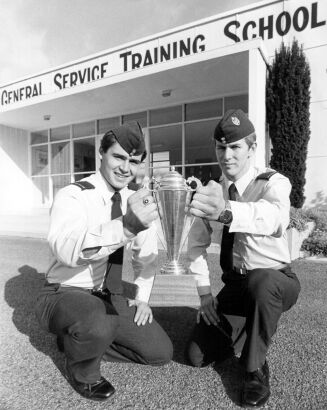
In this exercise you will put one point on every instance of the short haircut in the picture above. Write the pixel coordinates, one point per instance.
(251, 139)
(109, 139)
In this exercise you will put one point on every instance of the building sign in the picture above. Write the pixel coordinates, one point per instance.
(82, 76)
(274, 22)
(269, 26)
(170, 51)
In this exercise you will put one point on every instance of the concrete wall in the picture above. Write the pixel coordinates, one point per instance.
(16, 187)
(316, 174)
(17, 215)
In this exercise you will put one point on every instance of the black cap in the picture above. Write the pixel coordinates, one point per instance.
(130, 137)
(234, 126)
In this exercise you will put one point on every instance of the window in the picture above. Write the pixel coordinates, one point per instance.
(67, 153)
(237, 101)
(60, 159)
(107, 124)
(141, 117)
(60, 133)
(204, 109)
(167, 115)
(200, 149)
(84, 155)
(160, 163)
(84, 129)
(168, 139)
(41, 191)
(40, 160)
(39, 137)
(59, 182)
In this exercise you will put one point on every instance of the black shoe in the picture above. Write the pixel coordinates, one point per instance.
(256, 390)
(60, 344)
(100, 390)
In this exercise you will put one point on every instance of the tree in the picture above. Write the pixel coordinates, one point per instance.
(288, 116)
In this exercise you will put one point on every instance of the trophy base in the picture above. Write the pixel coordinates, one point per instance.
(173, 268)
(174, 290)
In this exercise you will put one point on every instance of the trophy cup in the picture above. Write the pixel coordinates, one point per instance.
(174, 286)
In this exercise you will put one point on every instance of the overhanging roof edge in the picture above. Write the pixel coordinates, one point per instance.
(142, 40)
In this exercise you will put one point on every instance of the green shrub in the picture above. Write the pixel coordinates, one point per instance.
(316, 244)
(298, 219)
(319, 216)
(288, 116)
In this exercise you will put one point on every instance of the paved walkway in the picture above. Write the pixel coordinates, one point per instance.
(31, 366)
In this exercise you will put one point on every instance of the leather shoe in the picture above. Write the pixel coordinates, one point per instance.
(256, 389)
(99, 391)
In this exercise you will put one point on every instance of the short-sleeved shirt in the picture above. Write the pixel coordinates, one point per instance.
(81, 219)
(260, 219)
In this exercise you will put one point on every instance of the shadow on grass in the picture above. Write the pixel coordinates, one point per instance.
(21, 292)
(232, 376)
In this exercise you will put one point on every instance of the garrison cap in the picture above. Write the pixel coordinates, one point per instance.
(130, 137)
(234, 126)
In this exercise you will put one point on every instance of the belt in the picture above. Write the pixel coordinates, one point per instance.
(244, 271)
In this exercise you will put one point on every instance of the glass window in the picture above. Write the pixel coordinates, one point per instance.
(41, 192)
(160, 156)
(60, 133)
(167, 115)
(77, 177)
(84, 129)
(204, 172)
(38, 137)
(160, 163)
(60, 158)
(204, 109)
(200, 149)
(237, 101)
(107, 124)
(84, 155)
(59, 182)
(40, 161)
(168, 140)
(141, 117)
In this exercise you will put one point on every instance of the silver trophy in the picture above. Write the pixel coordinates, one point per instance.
(173, 195)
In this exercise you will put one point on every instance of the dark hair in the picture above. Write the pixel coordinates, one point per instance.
(109, 140)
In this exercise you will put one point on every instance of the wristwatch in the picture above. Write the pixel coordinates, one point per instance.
(226, 215)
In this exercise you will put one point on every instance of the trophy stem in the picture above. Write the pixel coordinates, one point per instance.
(173, 267)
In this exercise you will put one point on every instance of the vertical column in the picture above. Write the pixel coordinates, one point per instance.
(147, 147)
(257, 102)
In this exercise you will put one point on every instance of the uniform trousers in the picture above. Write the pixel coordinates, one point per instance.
(249, 307)
(93, 329)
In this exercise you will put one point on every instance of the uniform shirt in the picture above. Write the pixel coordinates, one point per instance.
(81, 219)
(260, 219)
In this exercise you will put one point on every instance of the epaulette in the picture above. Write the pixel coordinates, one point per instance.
(267, 175)
(83, 185)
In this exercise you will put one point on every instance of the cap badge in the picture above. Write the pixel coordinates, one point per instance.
(223, 140)
(235, 121)
(132, 152)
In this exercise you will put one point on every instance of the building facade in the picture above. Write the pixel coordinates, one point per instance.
(177, 84)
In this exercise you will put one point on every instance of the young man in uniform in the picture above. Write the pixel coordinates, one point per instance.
(82, 301)
(253, 205)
